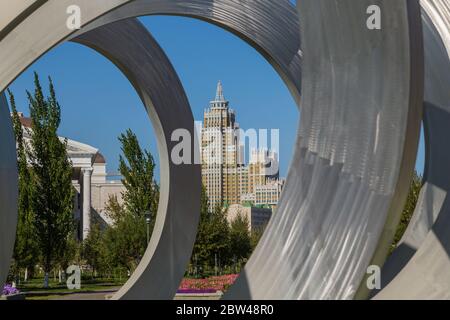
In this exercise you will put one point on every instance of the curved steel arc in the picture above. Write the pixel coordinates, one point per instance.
(421, 260)
(25, 43)
(354, 155)
(361, 108)
(152, 75)
(155, 80)
(271, 27)
(8, 188)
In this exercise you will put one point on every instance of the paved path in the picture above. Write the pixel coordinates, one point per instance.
(100, 295)
(103, 295)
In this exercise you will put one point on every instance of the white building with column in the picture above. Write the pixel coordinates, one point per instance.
(89, 179)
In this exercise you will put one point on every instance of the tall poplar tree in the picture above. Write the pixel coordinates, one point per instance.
(52, 191)
(126, 241)
(137, 168)
(26, 250)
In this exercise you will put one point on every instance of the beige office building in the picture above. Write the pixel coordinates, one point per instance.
(257, 217)
(221, 169)
(268, 194)
(225, 176)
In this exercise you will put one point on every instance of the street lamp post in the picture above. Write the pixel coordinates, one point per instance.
(147, 221)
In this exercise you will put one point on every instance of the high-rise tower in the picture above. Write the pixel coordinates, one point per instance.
(220, 152)
(225, 176)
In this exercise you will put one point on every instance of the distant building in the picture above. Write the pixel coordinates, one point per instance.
(226, 178)
(248, 199)
(257, 217)
(220, 152)
(268, 194)
(260, 169)
(89, 179)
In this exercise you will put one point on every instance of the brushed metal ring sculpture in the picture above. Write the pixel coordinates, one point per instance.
(354, 154)
(20, 26)
(420, 262)
(148, 69)
(9, 188)
(362, 94)
(150, 72)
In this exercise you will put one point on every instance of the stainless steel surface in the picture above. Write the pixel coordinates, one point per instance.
(8, 188)
(9, 18)
(266, 25)
(51, 17)
(42, 30)
(419, 267)
(271, 27)
(25, 38)
(146, 66)
(361, 106)
(162, 93)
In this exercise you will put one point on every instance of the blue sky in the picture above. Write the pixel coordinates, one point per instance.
(98, 103)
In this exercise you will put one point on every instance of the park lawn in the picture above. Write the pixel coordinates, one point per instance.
(34, 289)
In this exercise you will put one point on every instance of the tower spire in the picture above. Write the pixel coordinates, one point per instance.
(219, 92)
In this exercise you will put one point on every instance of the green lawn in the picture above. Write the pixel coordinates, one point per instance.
(34, 290)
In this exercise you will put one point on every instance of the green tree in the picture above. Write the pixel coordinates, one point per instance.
(255, 236)
(114, 210)
(126, 241)
(200, 253)
(26, 251)
(240, 241)
(52, 191)
(213, 237)
(137, 168)
(70, 254)
(408, 210)
(218, 241)
(92, 249)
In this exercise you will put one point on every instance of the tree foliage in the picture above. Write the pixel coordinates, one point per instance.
(70, 254)
(137, 168)
(51, 186)
(213, 236)
(26, 251)
(92, 249)
(114, 210)
(126, 241)
(218, 235)
(200, 254)
(240, 239)
(408, 210)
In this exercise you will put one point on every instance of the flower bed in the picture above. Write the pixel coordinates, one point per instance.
(196, 291)
(8, 290)
(209, 285)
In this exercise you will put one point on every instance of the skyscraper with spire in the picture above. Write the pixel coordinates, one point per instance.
(225, 176)
(221, 152)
